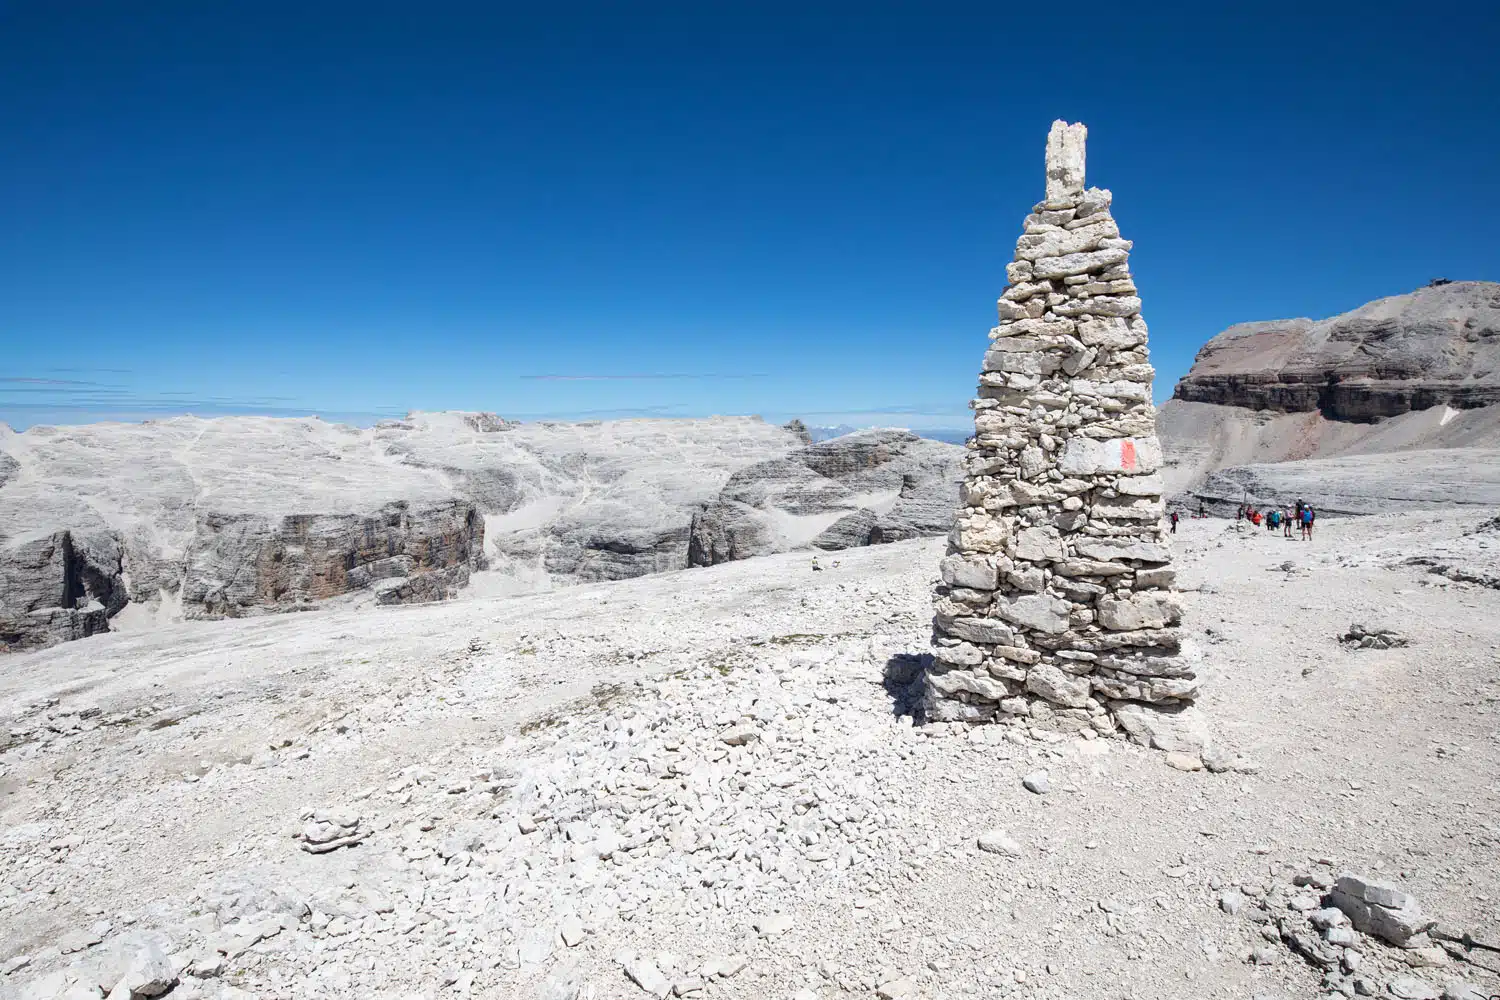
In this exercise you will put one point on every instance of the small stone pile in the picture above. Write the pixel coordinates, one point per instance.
(1360, 637)
(1056, 606)
(325, 830)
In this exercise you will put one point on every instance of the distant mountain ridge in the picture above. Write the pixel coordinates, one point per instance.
(1438, 345)
(951, 435)
(1401, 374)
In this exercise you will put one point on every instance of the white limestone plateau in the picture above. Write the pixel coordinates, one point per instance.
(1056, 606)
(108, 527)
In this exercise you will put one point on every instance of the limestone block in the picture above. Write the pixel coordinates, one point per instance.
(1029, 580)
(1124, 305)
(1149, 666)
(1146, 689)
(997, 359)
(1077, 263)
(1158, 641)
(974, 572)
(1079, 360)
(1396, 921)
(1038, 612)
(1083, 456)
(970, 681)
(1094, 200)
(1141, 611)
(1043, 329)
(982, 535)
(986, 631)
(1147, 578)
(1051, 683)
(1037, 545)
(1120, 389)
(1035, 246)
(1111, 332)
(1026, 289)
(1121, 548)
(1141, 486)
(1119, 286)
(1180, 728)
(1140, 509)
(1026, 493)
(962, 655)
(1136, 372)
(1017, 654)
(1033, 462)
(1065, 161)
(1018, 271)
(1011, 310)
(1089, 567)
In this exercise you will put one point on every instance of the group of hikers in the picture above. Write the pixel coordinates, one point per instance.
(1300, 514)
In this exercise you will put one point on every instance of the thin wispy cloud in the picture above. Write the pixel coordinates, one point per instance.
(27, 400)
(642, 376)
(26, 380)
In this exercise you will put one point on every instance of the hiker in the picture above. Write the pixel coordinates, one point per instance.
(1307, 523)
(1174, 522)
(1286, 524)
(1201, 512)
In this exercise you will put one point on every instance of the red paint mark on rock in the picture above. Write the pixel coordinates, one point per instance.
(1127, 454)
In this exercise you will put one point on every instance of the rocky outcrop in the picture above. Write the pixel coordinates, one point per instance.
(1057, 607)
(861, 489)
(243, 564)
(1438, 345)
(59, 587)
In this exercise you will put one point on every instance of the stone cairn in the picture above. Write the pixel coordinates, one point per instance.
(1056, 605)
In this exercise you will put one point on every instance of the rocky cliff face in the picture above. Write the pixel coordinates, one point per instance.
(1435, 346)
(861, 489)
(242, 564)
(59, 587)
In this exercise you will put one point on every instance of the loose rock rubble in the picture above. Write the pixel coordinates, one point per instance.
(524, 837)
(1330, 923)
(1058, 605)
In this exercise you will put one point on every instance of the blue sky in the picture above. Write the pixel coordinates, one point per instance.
(793, 209)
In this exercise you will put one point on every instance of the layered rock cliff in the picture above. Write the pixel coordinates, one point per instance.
(1438, 345)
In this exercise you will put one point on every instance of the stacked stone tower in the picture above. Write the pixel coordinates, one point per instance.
(1056, 607)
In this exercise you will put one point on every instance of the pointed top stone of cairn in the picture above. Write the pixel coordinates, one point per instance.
(1065, 162)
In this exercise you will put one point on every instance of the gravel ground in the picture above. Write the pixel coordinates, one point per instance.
(703, 782)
